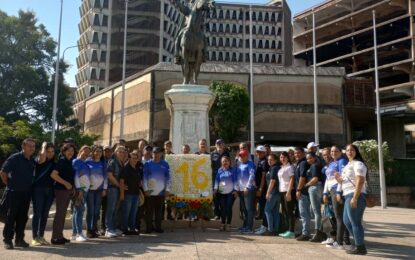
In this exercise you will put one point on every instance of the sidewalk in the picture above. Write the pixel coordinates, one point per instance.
(390, 234)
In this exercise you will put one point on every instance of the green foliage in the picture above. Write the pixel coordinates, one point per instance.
(400, 172)
(230, 111)
(26, 57)
(79, 138)
(12, 135)
(369, 151)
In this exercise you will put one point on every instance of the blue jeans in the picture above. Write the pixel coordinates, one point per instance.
(272, 212)
(93, 206)
(42, 199)
(247, 203)
(304, 208)
(78, 213)
(129, 212)
(112, 201)
(316, 195)
(352, 218)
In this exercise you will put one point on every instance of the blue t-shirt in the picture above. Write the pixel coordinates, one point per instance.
(246, 176)
(156, 177)
(20, 172)
(225, 181)
(42, 176)
(82, 175)
(98, 174)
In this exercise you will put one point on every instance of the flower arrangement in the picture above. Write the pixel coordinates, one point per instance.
(199, 206)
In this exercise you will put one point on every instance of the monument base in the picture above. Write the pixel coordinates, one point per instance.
(189, 107)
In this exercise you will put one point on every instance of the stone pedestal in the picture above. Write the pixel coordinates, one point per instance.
(189, 107)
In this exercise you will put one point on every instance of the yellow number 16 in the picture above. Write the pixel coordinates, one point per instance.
(196, 175)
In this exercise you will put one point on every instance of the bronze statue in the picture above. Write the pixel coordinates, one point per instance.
(191, 44)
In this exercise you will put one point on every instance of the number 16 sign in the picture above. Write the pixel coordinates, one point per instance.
(191, 175)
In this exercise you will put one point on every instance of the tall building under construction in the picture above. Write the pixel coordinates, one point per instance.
(344, 38)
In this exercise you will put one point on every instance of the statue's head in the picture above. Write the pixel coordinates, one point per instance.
(204, 4)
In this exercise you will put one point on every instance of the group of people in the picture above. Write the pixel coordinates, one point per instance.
(110, 183)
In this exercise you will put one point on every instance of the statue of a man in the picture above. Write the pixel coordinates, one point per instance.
(186, 10)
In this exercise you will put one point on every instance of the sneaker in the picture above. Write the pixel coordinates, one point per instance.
(21, 243)
(261, 231)
(283, 234)
(81, 238)
(328, 241)
(358, 250)
(66, 240)
(335, 245)
(318, 237)
(303, 237)
(247, 231)
(241, 228)
(73, 237)
(118, 232)
(261, 228)
(43, 241)
(8, 245)
(348, 247)
(110, 234)
(36, 242)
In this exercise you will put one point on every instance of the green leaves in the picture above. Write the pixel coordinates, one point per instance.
(230, 112)
(369, 151)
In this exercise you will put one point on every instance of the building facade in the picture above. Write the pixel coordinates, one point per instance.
(283, 100)
(151, 31)
(344, 38)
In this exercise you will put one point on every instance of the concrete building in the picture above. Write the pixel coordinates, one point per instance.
(151, 31)
(283, 98)
(344, 38)
(228, 32)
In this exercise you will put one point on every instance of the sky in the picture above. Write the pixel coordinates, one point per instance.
(47, 13)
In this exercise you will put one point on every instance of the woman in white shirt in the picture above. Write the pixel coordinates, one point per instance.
(287, 194)
(352, 184)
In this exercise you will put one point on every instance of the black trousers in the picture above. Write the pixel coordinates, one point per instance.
(154, 209)
(342, 234)
(19, 202)
(288, 211)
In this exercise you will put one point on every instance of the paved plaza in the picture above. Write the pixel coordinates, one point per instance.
(390, 234)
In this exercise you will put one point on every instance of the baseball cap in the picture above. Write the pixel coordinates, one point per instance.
(220, 141)
(243, 153)
(107, 147)
(167, 142)
(148, 148)
(260, 148)
(311, 144)
(156, 149)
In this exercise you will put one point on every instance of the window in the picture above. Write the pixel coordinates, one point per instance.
(96, 20)
(93, 74)
(266, 17)
(228, 28)
(260, 16)
(240, 57)
(228, 15)
(279, 59)
(105, 20)
(214, 41)
(260, 31)
(91, 91)
(241, 29)
(97, 4)
(247, 15)
(234, 57)
(207, 27)
(103, 57)
(221, 14)
(95, 37)
(279, 45)
(227, 57)
(273, 17)
(234, 43)
(214, 27)
(246, 29)
(220, 56)
(94, 56)
(220, 27)
(267, 44)
(273, 31)
(260, 44)
(279, 31)
(234, 28)
(254, 43)
(240, 43)
(105, 4)
(253, 16)
(266, 30)
(254, 29)
(104, 38)
(241, 16)
(273, 45)
(273, 58)
(254, 57)
(102, 74)
(228, 44)
(234, 15)
(214, 56)
(247, 43)
(266, 58)
(260, 58)
(247, 57)
(220, 42)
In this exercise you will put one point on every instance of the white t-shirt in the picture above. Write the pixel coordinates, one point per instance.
(349, 173)
(284, 175)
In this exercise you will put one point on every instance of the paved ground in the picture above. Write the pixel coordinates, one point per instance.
(390, 234)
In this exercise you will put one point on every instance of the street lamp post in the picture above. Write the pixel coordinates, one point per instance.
(55, 92)
(123, 71)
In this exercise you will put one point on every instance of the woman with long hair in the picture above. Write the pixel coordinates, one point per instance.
(63, 175)
(82, 185)
(287, 194)
(42, 193)
(99, 184)
(273, 199)
(352, 183)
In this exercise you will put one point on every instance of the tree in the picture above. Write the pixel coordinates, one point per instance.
(26, 57)
(230, 111)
